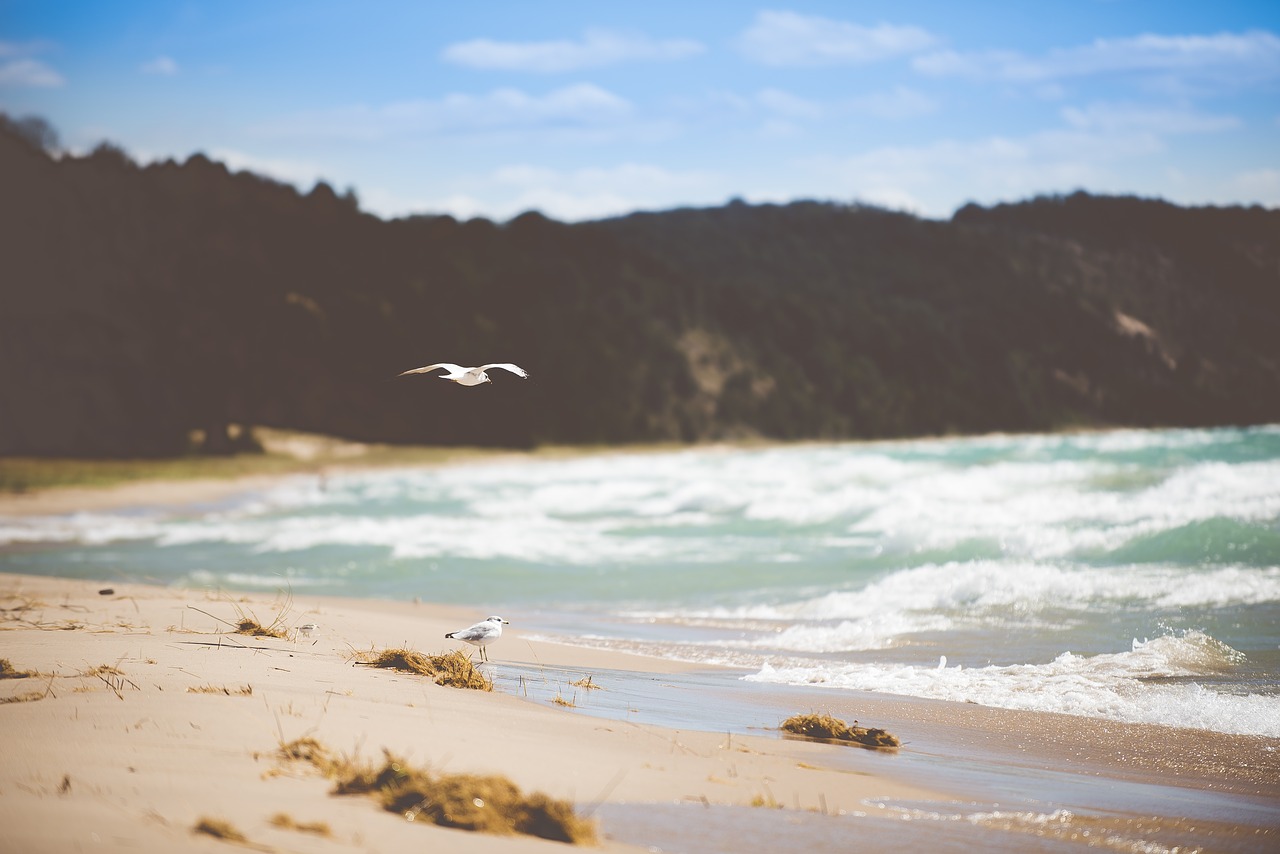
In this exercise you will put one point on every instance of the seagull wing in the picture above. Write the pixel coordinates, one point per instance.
(448, 366)
(477, 632)
(507, 366)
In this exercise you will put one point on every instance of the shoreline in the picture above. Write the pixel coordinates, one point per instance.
(318, 456)
(131, 744)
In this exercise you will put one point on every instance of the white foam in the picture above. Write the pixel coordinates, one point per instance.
(820, 500)
(1113, 685)
(992, 591)
(879, 632)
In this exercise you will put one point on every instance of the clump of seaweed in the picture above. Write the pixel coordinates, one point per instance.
(486, 803)
(8, 671)
(454, 669)
(219, 829)
(833, 729)
(285, 821)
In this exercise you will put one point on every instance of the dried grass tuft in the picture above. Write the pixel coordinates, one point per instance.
(8, 671)
(26, 697)
(833, 729)
(246, 691)
(219, 829)
(454, 669)
(286, 822)
(250, 626)
(486, 803)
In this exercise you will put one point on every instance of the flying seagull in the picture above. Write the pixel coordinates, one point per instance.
(481, 634)
(467, 376)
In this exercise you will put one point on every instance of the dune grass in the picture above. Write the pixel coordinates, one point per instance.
(219, 829)
(246, 691)
(454, 669)
(284, 821)
(8, 671)
(828, 728)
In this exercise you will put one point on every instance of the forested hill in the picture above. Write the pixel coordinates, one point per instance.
(139, 304)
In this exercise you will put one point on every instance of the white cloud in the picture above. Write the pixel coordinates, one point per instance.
(162, 65)
(567, 195)
(9, 50)
(300, 173)
(789, 38)
(30, 73)
(19, 68)
(578, 108)
(786, 104)
(1259, 186)
(1116, 117)
(933, 179)
(899, 103)
(596, 48)
(787, 109)
(1242, 57)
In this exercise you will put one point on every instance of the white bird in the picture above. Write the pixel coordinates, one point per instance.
(467, 376)
(481, 634)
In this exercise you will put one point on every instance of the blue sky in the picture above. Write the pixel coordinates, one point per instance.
(586, 109)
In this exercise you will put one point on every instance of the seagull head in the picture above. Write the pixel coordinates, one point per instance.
(496, 620)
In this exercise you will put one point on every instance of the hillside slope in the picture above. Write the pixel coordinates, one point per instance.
(138, 304)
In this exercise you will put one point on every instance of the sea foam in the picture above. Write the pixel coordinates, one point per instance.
(1119, 686)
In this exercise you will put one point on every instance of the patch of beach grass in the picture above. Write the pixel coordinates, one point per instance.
(246, 691)
(8, 671)
(586, 684)
(25, 697)
(219, 829)
(454, 669)
(828, 728)
(246, 622)
(763, 802)
(284, 821)
(485, 803)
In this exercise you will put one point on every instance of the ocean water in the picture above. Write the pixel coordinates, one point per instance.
(1129, 575)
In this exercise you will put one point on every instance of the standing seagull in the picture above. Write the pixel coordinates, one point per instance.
(468, 376)
(481, 634)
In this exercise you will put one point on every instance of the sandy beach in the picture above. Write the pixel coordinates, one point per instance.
(186, 719)
(144, 713)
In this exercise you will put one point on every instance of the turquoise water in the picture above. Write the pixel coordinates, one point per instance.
(1131, 575)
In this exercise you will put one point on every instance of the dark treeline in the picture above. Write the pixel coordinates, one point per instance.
(140, 304)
